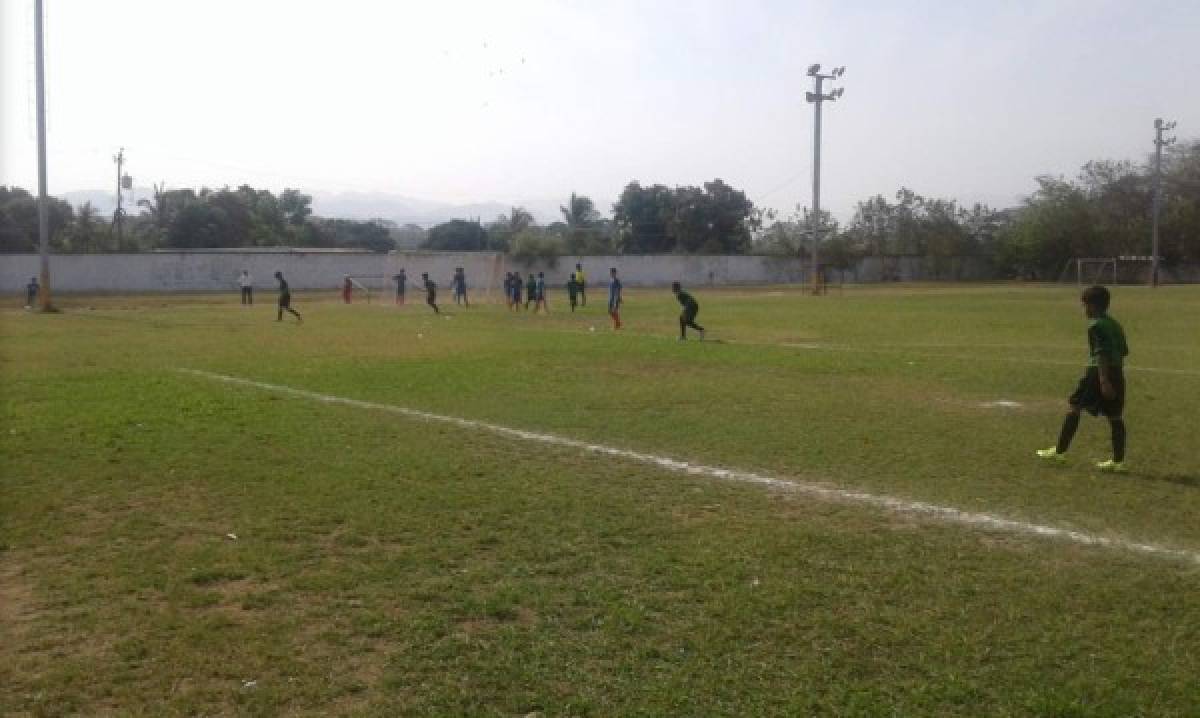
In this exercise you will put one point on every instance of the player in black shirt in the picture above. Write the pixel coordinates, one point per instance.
(430, 292)
(285, 299)
(690, 309)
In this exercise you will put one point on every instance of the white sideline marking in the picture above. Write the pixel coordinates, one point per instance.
(942, 513)
(1002, 404)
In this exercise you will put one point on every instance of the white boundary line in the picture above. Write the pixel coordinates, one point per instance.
(942, 513)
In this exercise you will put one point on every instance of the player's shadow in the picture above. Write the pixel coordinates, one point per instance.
(1188, 480)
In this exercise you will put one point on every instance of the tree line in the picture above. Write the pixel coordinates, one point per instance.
(187, 219)
(1105, 211)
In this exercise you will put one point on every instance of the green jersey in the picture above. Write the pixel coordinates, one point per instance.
(1106, 342)
(687, 301)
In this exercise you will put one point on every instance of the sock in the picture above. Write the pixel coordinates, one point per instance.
(1070, 424)
(1118, 439)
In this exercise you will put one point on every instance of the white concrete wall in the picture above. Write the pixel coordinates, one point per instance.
(218, 271)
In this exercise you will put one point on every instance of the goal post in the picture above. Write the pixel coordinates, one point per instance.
(366, 287)
(1125, 269)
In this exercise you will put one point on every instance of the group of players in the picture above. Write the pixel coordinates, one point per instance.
(534, 289)
(1101, 391)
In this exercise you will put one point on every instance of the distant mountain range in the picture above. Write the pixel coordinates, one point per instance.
(356, 205)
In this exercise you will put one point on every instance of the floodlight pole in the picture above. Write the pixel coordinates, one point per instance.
(1159, 143)
(119, 214)
(43, 220)
(816, 188)
(817, 98)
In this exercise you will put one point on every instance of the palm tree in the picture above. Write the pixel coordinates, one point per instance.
(580, 212)
(581, 217)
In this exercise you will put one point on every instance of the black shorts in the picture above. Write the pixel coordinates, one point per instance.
(285, 300)
(689, 314)
(1088, 396)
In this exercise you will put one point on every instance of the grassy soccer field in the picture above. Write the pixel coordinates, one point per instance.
(390, 565)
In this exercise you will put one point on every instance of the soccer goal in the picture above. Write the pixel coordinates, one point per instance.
(1126, 269)
(365, 287)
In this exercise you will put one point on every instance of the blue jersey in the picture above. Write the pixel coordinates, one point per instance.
(614, 293)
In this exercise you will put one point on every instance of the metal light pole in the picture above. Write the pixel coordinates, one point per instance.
(1159, 142)
(119, 214)
(43, 221)
(816, 98)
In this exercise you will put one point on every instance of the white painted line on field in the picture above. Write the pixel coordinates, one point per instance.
(899, 505)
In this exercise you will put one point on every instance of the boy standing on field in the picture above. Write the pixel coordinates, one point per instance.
(1102, 388)
(572, 291)
(31, 292)
(401, 279)
(690, 309)
(531, 292)
(614, 298)
(285, 300)
(580, 284)
(540, 288)
(247, 285)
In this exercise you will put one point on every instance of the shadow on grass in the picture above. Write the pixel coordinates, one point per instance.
(1189, 480)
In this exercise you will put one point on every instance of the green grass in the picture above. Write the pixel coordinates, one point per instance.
(387, 566)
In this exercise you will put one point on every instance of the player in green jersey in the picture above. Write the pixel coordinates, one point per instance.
(1102, 388)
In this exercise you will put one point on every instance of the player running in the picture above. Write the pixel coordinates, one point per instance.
(1102, 388)
(430, 292)
(614, 298)
(690, 309)
(285, 300)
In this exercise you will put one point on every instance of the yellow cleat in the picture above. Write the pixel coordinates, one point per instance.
(1051, 454)
(1116, 467)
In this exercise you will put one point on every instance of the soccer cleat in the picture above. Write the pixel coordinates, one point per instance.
(1116, 467)
(1051, 454)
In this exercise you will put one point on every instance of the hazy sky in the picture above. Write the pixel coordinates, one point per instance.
(511, 101)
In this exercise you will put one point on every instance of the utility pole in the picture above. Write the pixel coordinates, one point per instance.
(43, 221)
(816, 98)
(1159, 142)
(119, 214)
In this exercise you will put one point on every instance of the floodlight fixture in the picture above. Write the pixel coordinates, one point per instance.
(814, 69)
(837, 93)
(810, 97)
(839, 71)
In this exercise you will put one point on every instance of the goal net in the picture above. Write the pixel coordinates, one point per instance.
(1110, 270)
(364, 288)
